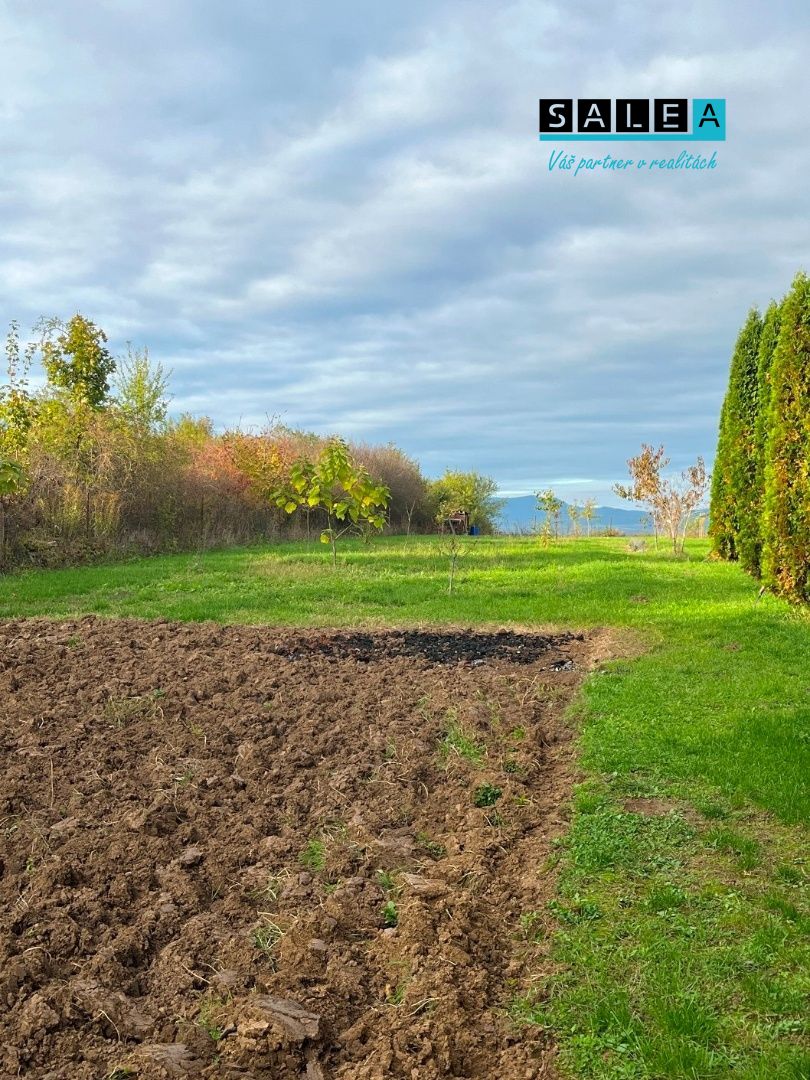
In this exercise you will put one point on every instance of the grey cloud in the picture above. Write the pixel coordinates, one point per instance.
(341, 214)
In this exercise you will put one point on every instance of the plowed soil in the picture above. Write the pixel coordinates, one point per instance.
(240, 852)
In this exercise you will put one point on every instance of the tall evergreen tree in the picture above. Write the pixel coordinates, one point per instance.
(767, 346)
(735, 461)
(786, 552)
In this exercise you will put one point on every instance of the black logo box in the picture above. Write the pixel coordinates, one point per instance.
(595, 115)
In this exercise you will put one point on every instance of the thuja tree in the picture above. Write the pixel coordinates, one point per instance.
(340, 488)
(731, 511)
(786, 523)
(751, 547)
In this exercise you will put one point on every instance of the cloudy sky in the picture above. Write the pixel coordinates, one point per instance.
(341, 215)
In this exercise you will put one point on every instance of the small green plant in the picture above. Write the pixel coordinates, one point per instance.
(434, 849)
(390, 914)
(385, 879)
(341, 489)
(313, 856)
(578, 911)
(733, 843)
(456, 740)
(531, 926)
(662, 898)
(212, 1017)
(774, 901)
(791, 875)
(712, 810)
(397, 995)
(523, 1009)
(486, 795)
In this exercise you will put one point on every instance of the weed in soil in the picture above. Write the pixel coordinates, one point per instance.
(486, 795)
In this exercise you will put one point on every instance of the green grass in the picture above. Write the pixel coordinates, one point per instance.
(683, 948)
(313, 856)
(681, 926)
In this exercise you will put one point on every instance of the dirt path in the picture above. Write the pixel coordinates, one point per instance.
(239, 852)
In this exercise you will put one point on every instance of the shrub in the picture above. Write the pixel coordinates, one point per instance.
(470, 492)
(110, 472)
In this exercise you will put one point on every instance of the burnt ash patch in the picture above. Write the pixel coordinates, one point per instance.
(436, 647)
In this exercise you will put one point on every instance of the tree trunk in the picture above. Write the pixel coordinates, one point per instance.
(332, 540)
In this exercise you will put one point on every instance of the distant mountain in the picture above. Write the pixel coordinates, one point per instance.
(520, 514)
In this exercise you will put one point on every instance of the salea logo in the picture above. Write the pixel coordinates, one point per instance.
(633, 119)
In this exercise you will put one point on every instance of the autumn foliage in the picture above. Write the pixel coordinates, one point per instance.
(92, 463)
(670, 501)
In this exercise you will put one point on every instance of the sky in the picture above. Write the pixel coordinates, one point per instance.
(340, 215)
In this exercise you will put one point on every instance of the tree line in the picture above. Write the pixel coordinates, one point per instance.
(760, 498)
(92, 463)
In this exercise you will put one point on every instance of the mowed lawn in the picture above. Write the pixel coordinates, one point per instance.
(678, 946)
